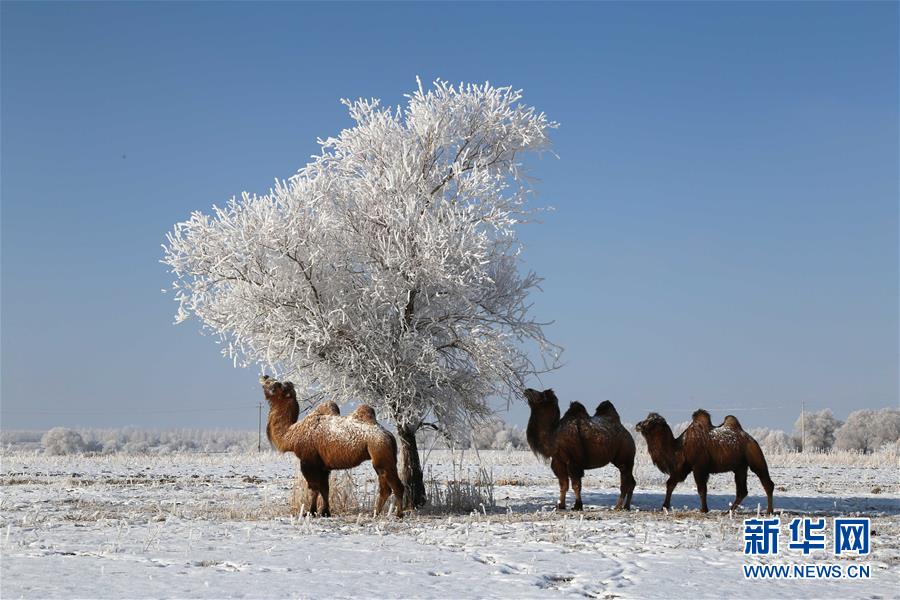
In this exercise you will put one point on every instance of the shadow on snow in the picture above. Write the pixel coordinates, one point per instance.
(822, 505)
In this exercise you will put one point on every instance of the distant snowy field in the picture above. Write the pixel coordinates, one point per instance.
(218, 526)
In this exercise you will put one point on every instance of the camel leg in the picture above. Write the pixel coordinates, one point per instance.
(674, 479)
(701, 479)
(387, 469)
(670, 487)
(626, 487)
(323, 489)
(312, 482)
(398, 489)
(757, 463)
(576, 487)
(562, 476)
(762, 472)
(384, 490)
(740, 487)
(387, 484)
(575, 475)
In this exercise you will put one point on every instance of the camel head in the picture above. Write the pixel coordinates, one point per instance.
(538, 399)
(277, 392)
(653, 423)
(283, 407)
(544, 420)
(661, 444)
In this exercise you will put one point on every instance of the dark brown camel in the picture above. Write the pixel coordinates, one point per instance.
(578, 442)
(705, 449)
(324, 441)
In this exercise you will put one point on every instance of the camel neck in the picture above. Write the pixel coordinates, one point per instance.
(541, 431)
(662, 448)
(281, 417)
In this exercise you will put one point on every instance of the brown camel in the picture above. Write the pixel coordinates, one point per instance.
(324, 441)
(705, 449)
(578, 442)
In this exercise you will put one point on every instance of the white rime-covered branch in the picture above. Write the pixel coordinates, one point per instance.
(387, 269)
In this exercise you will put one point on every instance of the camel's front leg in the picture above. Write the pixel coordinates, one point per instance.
(575, 474)
(701, 478)
(311, 476)
(562, 475)
(670, 487)
(626, 487)
(323, 489)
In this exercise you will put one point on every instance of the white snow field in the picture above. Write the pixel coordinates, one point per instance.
(220, 526)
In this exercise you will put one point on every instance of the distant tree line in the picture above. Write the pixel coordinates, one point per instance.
(863, 431)
(130, 440)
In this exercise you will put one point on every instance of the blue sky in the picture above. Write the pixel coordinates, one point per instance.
(726, 223)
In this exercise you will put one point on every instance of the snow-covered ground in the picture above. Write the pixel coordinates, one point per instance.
(215, 526)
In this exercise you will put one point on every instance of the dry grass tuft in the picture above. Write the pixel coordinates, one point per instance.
(512, 481)
(463, 492)
(346, 496)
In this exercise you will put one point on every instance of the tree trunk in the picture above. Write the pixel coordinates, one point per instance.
(411, 467)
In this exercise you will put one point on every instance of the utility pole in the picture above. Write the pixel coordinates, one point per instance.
(259, 427)
(802, 426)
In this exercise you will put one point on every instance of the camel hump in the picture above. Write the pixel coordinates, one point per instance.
(364, 413)
(606, 410)
(576, 410)
(701, 417)
(326, 408)
(732, 422)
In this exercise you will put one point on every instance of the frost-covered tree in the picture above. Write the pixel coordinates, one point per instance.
(816, 431)
(387, 269)
(497, 435)
(774, 440)
(61, 441)
(869, 430)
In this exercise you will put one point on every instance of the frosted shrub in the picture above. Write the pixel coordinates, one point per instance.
(869, 430)
(818, 428)
(21, 440)
(493, 435)
(499, 436)
(61, 441)
(774, 440)
(110, 446)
